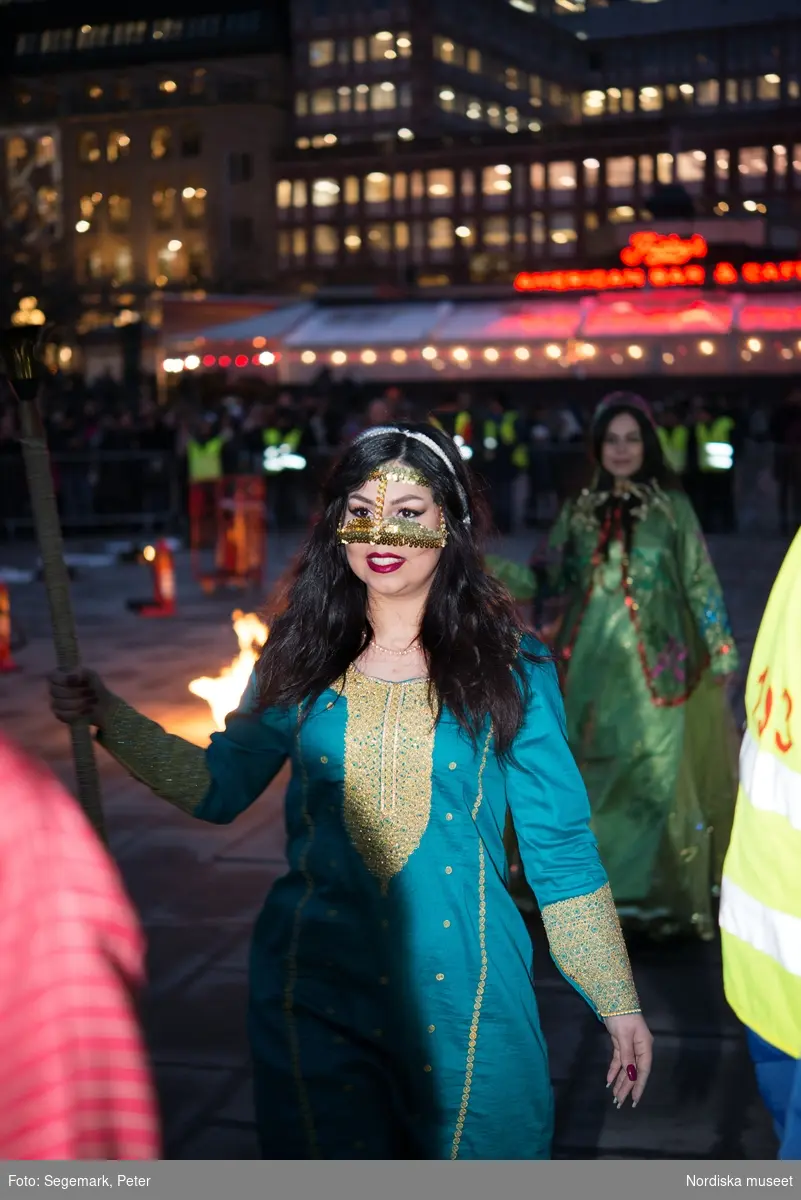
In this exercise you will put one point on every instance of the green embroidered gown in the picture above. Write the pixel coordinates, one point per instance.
(643, 639)
(392, 1003)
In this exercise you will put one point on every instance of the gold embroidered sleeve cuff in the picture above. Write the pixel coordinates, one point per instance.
(587, 944)
(172, 768)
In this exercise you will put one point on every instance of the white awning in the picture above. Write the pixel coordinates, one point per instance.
(367, 325)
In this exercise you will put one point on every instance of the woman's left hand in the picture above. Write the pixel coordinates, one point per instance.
(631, 1058)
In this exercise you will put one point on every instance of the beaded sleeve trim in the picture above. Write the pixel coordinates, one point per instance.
(172, 768)
(587, 944)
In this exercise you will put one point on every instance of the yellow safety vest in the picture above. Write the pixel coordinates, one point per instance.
(760, 906)
(462, 426)
(715, 450)
(204, 460)
(277, 437)
(674, 444)
(507, 434)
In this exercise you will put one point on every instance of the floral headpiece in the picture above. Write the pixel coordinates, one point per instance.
(623, 400)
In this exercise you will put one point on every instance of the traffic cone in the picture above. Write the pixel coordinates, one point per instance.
(162, 564)
(7, 663)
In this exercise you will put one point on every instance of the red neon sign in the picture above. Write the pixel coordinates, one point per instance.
(604, 281)
(649, 249)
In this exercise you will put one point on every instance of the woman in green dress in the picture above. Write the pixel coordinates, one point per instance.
(392, 1004)
(645, 652)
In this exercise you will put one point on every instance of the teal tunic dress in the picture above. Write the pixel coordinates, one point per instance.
(392, 1007)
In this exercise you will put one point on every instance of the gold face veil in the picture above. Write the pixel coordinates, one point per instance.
(380, 530)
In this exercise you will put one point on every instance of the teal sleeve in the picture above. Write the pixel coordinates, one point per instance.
(244, 758)
(551, 815)
(547, 797)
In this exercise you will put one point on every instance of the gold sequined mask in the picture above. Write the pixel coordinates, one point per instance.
(379, 530)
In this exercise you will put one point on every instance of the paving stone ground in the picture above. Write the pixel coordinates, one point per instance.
(198, 888)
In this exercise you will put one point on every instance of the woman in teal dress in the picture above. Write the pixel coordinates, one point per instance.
(646, 650)
(392, 1005)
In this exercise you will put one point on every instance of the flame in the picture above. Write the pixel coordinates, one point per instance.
(223, 693)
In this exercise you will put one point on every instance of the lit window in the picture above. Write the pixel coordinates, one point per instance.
(691, 166)
(752, 166)
(769, 87)
(722, 167)
(400, 187)
(323, 101)
(87, 207)
(119, 211)
(620, 215)
(164, 206)
(495, 232)
(593, 103)
(440, 185)
(383, 96)
(592, 170)
(440, 234)
(538, 232)
(620, 172)
(54, 41)
(403, 44)
(377, 188)
(168, 30)
(283, 193)
(95, 92)
(45, 151)
(193, 201)
(352, 241)
(47, 204)
(299, 243)
(537, 177)
(299, 193)
(563, 234)
(321, 52)
(324, 193)
(401, 235)
(168, 85)
(651, 99)
(171, 262)
(92, 37)
(474, 61)
(380, 43)
(301, 104)
(379, 241)
(89, 148)
(359, 50)
(779, 163)
(664, 168)
(117, 146)
(129, 33)
(160, 142)
(344, 98)
(562, 178)
(707, 93)
(326, 243)
(497, 181)
(443, 49)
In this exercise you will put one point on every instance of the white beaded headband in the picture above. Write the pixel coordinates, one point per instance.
(432, 445)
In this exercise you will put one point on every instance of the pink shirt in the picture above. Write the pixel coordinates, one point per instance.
(74, 1078)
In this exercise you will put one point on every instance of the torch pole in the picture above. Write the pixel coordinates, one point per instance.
(56, 579)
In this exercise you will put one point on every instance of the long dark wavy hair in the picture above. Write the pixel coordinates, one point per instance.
(470, 631)
(619, 512)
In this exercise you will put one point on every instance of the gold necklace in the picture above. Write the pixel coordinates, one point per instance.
(397, 653)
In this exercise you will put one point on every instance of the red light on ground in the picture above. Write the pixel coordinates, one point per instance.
(209, 360)
(241, 360)
(225, 360)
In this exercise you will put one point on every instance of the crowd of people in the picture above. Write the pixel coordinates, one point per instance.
(454, 756)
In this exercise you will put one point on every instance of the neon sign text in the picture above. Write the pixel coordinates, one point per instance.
(649, 249)
(604, 281)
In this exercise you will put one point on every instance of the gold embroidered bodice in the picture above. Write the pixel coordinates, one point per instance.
(389, 750)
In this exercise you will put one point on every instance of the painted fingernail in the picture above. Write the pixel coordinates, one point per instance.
(609, 1084)
(631, 1071)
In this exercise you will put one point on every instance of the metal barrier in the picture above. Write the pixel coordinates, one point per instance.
(131, 490)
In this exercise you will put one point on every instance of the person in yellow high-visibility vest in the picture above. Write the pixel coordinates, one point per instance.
(204, 455)
(760, 908)
(715, 438)
(674, 438)
(502, 453)
(455, 418)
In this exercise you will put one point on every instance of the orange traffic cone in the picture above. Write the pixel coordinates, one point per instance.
(7, 663)
(161, 562)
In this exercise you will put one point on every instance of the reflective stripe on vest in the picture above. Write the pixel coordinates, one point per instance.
(674, 444)
(204, 460)
(715, 451)
(760, 913)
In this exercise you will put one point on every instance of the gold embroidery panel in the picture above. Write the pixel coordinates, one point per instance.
(389, 754)
(586, 940)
